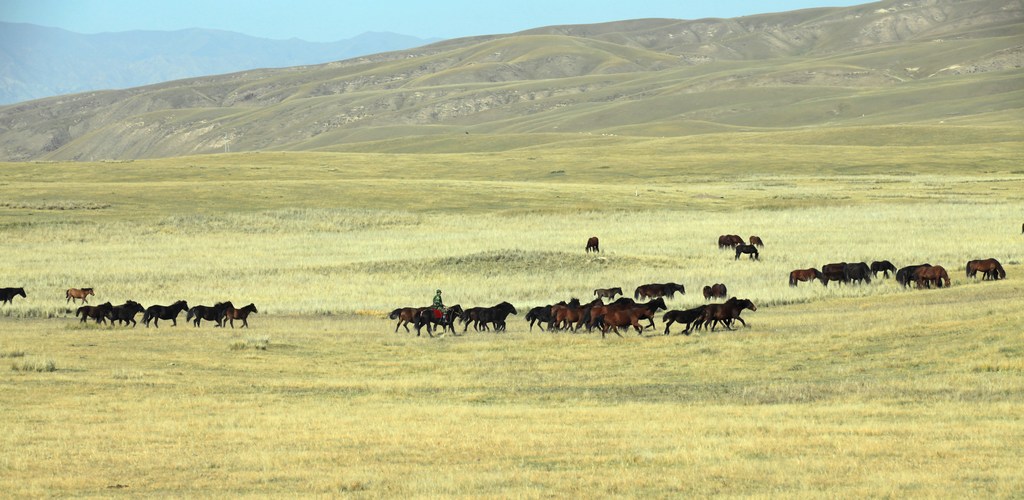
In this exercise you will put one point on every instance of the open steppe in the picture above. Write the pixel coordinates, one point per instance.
(842, 391)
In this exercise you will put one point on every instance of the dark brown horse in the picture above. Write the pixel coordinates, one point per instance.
(729, 241)
(231, 314)
(655, 290)
(98, 313)
(883, 267)
(806, 275)
(834, 272)
(593, 245)
(725, 313)
(157, 313)
(747, 249)
(73, 294)
(630, 316)
(716, 291)
(908, 275)
(405, 315)
(125, 313)
(933, 274)
(213, 313)
(562, 316)
(756, 241)
(8, 294)
(991, 269)
(688, 317)
(608, 293)
(430, 316)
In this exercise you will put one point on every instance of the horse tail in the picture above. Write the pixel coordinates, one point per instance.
(394, 314)
(792, 279)
(636, 293)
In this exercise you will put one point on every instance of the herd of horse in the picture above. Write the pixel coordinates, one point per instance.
(923, 275)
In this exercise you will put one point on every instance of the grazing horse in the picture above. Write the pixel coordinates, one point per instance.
(747, 249)
(73, 294)
(991, 269)
(756, 241)
(214, 313)
(688, 317)
(608, 293)
(630, 316)
(883, 267)
(834, 272)
(125, 313)
(856, 272)
(810, 274)
(716, 291)
(729, 241)
(725, 313)
(655, 290)
(157, 313)
(539, 315)
(496, 315)
(932, 274)
(405, 315)
(593, 245)
(98, 313)
(8, 294)
(430, 316)
(907, 275)
(231, 314)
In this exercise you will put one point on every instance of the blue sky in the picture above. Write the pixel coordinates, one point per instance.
(332, 20)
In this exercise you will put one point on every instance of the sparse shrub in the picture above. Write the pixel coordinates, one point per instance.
(257, 343)
(34, 364)
(12, 353)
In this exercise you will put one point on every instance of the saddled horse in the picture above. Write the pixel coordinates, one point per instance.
(883, 267)
(908, 275)
(156, 313)
(231, 314)
(630, 316)
(932, 274)
(716, 291)
(98, 313)
(8, 294)
(729, 241)
(834, 272)
(405, 315)
(125, 313)
(213, 313)
(805, 275)
(857, 272)
(747, 249)
(608, 293)
(430, 316)
(593, 244)
(725, 313)
(654, 290)
(756, 241)
(73, 294)
(991, 269)
(687, 317)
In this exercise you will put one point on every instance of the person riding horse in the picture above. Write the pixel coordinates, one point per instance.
(438, 306)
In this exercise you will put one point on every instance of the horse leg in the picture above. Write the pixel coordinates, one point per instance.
(668, 324)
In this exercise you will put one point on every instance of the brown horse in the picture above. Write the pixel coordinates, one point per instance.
(630, 316)
(562, 316)
(655, 290)
(725, 313)
(805, 275)
(231, 314)
(608, 293)
(834, 272)
(98, 313)
(716, 291)
(991, 269)
(933, 274)
(593, 245)
(729, 241)
(756, 241)
(405, 315)
(78, 293)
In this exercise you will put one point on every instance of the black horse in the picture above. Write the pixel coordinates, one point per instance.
(748, 249)
(8, 294)
(687, 317)
(857, 271)
(883, 267)
(214, 313)
(539, 315)
(157, 313)
(125, 313)
(496, 315)
(428, 317)
(907, 276)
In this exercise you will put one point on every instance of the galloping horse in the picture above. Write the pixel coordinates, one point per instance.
(8, 294)
(157, 313)
(756, 241)
(882, 267)
(716, 291)
(125, 313)
(98, 313)
(73, 294)
(429, 317)
(747, 249)
(539, 315)
(655, 290)
(567, 314)
(608, 293)
(933, 274)
(991, 269)
(496, 315)
(630, 316)
(688, 317)
(231, 314)
(405, 315)
(214, 313)
(725, 313)
(810, 274)
(593, 245)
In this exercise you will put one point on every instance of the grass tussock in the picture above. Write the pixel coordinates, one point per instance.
(260, 343)
(34, 364)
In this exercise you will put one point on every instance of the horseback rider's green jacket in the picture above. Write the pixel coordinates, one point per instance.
(438, 303)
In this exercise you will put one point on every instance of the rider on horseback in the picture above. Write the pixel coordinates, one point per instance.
(438, 306)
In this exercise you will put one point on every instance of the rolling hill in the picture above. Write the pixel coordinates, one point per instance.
(952, 65)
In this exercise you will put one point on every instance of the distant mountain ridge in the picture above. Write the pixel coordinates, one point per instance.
(41, 62)
(932, 64)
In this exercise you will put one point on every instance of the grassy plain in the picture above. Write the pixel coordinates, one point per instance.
(838, 391)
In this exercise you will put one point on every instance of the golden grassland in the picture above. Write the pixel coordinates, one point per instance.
(841, 391)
